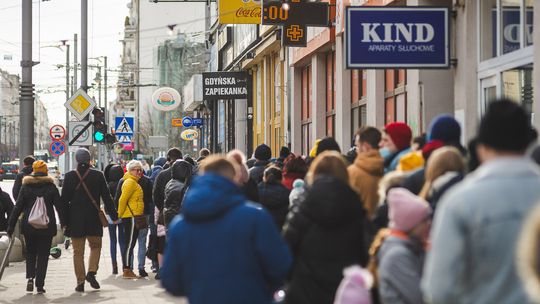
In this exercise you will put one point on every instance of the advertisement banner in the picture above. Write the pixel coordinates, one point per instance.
(397, 37)
(226, 85)
(239, 11)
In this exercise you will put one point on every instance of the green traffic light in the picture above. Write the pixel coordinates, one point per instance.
(99, 136)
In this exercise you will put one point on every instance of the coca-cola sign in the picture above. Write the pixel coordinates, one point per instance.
(240, 12)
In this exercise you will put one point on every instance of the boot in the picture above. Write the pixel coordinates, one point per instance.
(30, 285)
(128, 274)
(114, 268)
(91, 278)
(40, 290)
(143, 273)
(80, 287)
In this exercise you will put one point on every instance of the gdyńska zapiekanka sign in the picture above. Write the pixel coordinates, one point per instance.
(226, 85)
(397, 37)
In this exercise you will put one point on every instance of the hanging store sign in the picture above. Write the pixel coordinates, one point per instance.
(226, 85)
(296, 19)
(189, 134)
(397, 37)
(239, 11)
(166, 99)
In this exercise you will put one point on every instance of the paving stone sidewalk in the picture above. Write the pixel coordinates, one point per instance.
(60, 284)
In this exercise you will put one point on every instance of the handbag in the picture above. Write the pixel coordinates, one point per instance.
(101, 214)
(141, 221)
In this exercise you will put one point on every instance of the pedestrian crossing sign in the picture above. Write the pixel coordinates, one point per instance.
(124, 128)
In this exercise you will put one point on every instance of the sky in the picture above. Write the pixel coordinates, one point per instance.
(55, 20)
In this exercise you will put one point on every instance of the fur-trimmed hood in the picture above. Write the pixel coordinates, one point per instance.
(37, 180)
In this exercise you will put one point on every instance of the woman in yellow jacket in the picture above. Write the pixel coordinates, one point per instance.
(130, 204)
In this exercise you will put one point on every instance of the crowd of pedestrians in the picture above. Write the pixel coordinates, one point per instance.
(399, 219)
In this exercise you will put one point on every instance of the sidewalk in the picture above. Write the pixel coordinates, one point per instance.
(60, 283)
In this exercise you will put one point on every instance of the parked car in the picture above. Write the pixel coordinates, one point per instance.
(9, 170)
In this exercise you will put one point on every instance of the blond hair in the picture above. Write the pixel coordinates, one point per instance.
(133, 164)
(218, 165)
(329, 163)
(442, 160)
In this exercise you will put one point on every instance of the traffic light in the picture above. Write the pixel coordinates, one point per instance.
(100, 128)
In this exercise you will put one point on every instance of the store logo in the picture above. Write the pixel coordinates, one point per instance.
(189, 134)
(397, 32)
(165, 99)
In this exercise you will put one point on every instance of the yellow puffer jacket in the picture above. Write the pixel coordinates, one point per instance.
(132, 194)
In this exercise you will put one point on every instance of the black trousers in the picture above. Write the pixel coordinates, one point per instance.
(131, 234)
(37, 257)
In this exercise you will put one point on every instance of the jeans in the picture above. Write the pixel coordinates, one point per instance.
(141, 253)
(116, 235)
(37, 258)
(78, 256)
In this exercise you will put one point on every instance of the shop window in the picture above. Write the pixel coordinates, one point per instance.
(508, 35)
(518, 86)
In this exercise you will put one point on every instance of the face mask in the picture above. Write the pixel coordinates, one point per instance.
(385, 152)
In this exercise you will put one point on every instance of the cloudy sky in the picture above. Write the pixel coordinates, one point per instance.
(56, 20)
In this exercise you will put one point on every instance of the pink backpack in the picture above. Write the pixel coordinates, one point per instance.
(38, 217)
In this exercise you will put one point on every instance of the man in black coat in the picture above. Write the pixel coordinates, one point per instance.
(6, 207)
(82, 215)
(164, 177)
(262, 154)
(26, 170)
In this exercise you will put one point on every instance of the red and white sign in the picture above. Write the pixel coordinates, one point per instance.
(57, 132)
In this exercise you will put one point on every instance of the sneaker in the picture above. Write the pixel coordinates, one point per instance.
(128, 274)
(80, 288)
(91, 278)
(143, 273)
(115, 268)
(154, 269)
(40, 290)
(30, 285)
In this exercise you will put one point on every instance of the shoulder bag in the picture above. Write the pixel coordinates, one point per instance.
(141, 221)
(101, 214)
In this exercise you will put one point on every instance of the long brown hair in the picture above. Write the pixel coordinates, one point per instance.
(329, 163)
(442, 160)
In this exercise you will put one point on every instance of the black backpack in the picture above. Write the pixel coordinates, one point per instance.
(175, 192)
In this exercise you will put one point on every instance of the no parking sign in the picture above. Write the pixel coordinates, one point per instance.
(57, 148)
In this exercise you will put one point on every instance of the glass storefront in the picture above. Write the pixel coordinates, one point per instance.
(506, 58)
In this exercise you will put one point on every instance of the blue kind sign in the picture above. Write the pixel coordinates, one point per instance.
(397, 37)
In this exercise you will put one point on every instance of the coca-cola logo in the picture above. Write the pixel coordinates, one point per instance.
(249, 12)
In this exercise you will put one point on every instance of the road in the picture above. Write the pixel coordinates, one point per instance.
(60, 281)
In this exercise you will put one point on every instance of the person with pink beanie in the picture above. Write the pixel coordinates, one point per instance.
(401, 256)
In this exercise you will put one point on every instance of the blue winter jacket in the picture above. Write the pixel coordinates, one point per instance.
(155, 172)
(223, 249)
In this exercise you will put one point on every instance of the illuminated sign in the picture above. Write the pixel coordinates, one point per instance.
(295, 19)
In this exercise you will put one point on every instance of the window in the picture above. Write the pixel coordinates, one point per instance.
(358, 99)
(501, 27)
(306, 110)
(330, 95)
(395, 96)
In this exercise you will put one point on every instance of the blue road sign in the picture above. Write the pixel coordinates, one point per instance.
(57, 148)
(198, 122)
(397, 37)
(187, 121)
(124, 126)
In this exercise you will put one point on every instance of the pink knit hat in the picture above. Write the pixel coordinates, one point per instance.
(406, 210)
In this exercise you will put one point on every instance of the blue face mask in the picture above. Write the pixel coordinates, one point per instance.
(385, 152)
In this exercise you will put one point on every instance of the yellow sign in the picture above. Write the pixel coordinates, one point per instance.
(239, 11)
(80, 104)
(177, 122)
(294, 33)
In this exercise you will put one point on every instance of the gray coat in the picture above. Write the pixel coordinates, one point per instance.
(475, 231)
(400, 270)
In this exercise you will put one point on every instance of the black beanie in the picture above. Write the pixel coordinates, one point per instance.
(328, 144)
(506, 127)
(263, 152)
